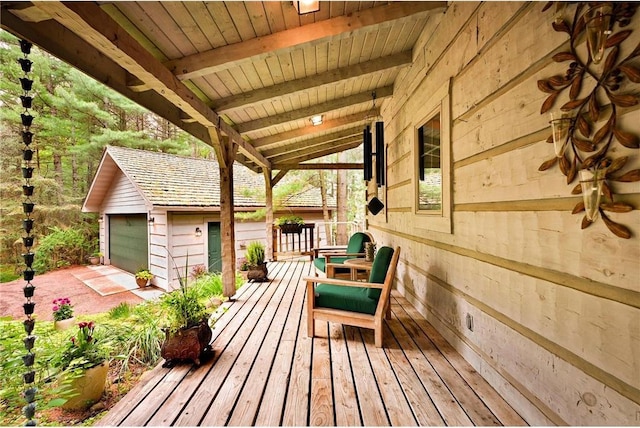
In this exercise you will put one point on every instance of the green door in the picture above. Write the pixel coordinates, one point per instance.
(128, 241)
(215, 248)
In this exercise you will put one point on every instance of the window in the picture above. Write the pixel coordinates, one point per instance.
(429, 166)
(432, 175)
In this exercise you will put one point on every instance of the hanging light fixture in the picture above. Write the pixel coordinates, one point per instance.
(316, 120)
(598, 22)
(306, 6)
(372, 113)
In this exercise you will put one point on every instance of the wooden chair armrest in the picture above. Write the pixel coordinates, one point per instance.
(328, 256)
(342, 282)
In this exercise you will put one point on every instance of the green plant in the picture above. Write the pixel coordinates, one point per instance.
(183, 306)
(123, 310)
(255, 253)
(62, 309)
(62, 247)
(85, 350)
(143, 273)
(8, 273)
(289, 219)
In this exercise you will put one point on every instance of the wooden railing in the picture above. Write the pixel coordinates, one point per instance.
(293, 241)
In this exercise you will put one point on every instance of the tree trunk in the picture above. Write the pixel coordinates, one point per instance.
(57, 168)
(342, 238)
(74, 174)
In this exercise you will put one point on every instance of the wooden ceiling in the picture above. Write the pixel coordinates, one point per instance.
(252, 71)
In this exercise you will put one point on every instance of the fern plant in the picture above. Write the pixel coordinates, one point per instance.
(255, 254)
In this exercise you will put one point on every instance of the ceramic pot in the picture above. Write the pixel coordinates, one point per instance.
(64, 324)
(142, 282)
(88, 388)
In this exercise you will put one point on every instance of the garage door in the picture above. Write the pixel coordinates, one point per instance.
(128, 243)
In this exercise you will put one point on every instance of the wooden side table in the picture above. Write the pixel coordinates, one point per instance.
(356, 265)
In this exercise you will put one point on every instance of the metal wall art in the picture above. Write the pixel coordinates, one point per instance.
(600, 81)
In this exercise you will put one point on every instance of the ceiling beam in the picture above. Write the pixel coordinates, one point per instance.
(322, 108)
(316, 151)
(65, 45)
(323, 139)
(326, 78)
(99, 30)
(223, 57)
(273, 140)
(318, 166)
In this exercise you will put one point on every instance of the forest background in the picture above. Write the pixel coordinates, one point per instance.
(75, 117)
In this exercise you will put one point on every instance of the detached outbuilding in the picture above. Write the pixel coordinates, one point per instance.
(154, 206)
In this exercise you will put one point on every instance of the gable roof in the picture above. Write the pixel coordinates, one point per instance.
(167, 180)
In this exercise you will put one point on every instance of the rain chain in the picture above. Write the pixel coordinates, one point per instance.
(29, 410)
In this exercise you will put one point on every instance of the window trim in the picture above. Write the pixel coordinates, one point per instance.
(439, 221)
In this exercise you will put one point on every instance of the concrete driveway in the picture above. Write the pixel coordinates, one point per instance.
(92, 289)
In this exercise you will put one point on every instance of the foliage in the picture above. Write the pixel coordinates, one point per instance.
(289, 219)
(8, 273)
(85, 350)
(198, 271)
(183, 307)
(143, 274)
(123, 310)
(62, 247)
(255, 253)
(62, 309)
(208, 285)
(243, 265)
(75, 118)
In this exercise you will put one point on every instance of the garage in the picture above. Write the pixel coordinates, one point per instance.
(128, 243)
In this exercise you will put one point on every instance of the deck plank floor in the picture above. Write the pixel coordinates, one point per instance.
(267, 372)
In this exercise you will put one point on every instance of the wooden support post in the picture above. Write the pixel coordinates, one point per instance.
(268, 217)
(227, 227)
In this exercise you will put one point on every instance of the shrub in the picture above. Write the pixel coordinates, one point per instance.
(255, 253)
(62, 247)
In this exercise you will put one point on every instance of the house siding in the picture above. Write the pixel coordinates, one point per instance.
(555, 308)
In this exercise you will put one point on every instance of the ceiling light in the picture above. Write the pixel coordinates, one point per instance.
(316, 120)
(306, 6)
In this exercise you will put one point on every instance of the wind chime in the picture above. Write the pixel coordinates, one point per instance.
(28, 359)
(375, 205)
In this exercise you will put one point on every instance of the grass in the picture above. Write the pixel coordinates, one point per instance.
(8, 273)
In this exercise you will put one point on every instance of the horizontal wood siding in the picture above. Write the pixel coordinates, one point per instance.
(123, 197)
(556, 309)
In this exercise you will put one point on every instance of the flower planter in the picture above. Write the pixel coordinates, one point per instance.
(142, 282)
(293, 228)
(186, 344)
(64, 324)
(258, 273)
(94, 260)
(88, 388)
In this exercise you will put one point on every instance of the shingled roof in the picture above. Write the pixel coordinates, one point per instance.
(178, 181)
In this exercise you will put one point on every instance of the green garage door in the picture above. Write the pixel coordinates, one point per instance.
(128, 242)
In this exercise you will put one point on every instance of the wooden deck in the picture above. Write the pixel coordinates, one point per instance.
(266, 371)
